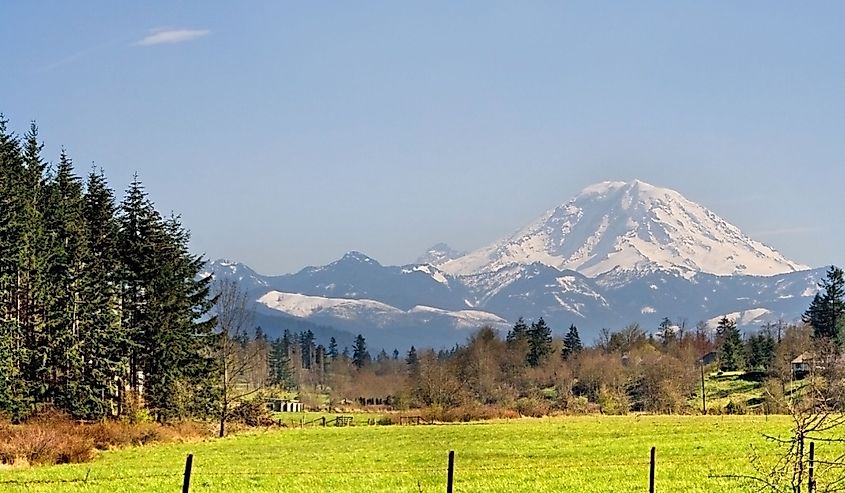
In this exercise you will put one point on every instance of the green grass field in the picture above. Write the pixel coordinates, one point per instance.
(594, 453)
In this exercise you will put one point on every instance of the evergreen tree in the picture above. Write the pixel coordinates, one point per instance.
(104, 345)
(826, 313)
(395, 354)
(165, 305)
(182, 368)
(539, 342)
(571, 343)
(64, 226)
(140, 225)
(731, 357)
(14, 395)
(761, 351)
(360, 356)
(333, 354)
(280, 365)
(306, 348)
(33, 286)
(412, 360)
(519, 332)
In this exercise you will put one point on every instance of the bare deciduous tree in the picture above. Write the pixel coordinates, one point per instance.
(815, 410)
(238, 359)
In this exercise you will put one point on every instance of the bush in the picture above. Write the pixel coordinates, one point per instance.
(39, 444)
(612, 402)
(532, 406)
(111, 434)
(581, 405)
(735, 408)
(252, 413)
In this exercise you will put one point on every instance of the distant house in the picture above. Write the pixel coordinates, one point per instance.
(803, 364)
(709, 358)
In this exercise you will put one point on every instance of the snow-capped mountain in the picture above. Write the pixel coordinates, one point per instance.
(628, 226)
(439, 254)
(617, 253)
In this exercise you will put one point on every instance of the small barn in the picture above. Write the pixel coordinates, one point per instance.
(284, 406)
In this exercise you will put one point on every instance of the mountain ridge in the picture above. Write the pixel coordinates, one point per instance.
(617, 253)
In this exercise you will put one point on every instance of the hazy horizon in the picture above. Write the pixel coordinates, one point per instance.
(287, 135)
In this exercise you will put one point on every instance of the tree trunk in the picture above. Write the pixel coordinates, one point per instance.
(223, 419)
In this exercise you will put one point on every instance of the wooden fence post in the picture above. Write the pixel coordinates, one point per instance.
(450, 475)
(186, 483)
(651, 473)
(811, 484)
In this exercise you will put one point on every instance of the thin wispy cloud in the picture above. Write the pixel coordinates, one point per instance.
(171, 36)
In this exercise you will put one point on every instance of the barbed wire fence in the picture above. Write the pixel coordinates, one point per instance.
(184, 475)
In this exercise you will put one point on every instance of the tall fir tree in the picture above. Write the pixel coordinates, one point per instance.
(731, 356)
(360, 356)
(65, 228)
(33, 287)
(519, 332)
(760, 352)
(571, 343)
(539, 342)
(826, 313)
(281, 370)
(14, 394)
(332, 351)
(140, 226)
(307, 348)
(104, 340)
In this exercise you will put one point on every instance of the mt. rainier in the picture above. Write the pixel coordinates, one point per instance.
(629, 226)
(617, 253)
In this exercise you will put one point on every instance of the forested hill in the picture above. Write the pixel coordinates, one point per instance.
(101, 308)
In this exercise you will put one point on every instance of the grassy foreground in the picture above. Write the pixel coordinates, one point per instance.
(593, 453)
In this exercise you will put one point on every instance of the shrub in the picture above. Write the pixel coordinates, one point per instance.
(43, 444)
(532, 406)
(612, 402)
(252, 413)
(735, 408)
(51, 438)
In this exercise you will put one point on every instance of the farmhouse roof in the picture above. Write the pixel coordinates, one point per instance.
(805, 357)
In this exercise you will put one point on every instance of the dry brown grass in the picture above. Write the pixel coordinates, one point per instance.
(466, 413)
(52, 438)
(39, 443)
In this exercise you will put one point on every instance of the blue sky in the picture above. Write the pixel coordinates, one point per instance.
(289, 133)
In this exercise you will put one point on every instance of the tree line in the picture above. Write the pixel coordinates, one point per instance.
(102, 309)
(532, 372)
(104, 312)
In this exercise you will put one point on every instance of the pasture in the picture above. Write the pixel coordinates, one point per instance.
(587, 453)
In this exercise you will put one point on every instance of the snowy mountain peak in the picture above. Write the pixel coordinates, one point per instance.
(629, 226)
(439, 254)
(356, 257)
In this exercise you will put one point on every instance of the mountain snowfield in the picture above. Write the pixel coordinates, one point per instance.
(628, 226)
(617, 253)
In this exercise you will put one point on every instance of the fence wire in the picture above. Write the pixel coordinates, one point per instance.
(199, 474)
